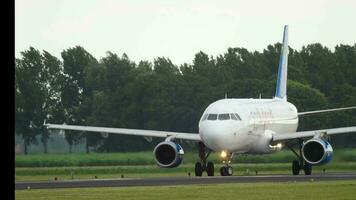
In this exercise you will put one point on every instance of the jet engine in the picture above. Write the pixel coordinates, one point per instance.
(168, 154)
(317, 151)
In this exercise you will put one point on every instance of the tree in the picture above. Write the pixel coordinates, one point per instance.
(30, 96)
(116, 92)
(319, 62)
(75, 95)
(37, 83)
(343, 95)
(306, 98)
(345, 56)
(52, 78)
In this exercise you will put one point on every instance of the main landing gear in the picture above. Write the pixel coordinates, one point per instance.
(203, 166)
(300, 164)
(227, 169)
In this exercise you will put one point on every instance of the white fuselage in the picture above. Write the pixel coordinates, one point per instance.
(251, 130)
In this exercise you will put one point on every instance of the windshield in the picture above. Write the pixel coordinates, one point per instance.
(224, 116)
(212, 116)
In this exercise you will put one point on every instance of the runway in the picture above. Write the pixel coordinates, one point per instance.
(124, 182)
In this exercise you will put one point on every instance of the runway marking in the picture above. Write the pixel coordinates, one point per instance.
(125, 182)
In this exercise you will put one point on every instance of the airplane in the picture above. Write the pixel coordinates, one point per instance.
(234, 126)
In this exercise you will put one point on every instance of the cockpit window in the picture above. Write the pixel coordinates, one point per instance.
(224, 116)
(237, 116)
(204, 117)
(212, 116)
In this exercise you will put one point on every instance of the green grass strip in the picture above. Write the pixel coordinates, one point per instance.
(328, 190)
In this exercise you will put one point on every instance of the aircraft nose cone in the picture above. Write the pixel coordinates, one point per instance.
(216, 137)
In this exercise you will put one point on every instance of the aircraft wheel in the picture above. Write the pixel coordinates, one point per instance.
(295, 167)
(210, 169)
(198, 169)
(307, 169)
(229, 170)
(226, 171)
(223, 171)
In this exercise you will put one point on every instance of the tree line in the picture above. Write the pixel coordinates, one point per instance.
(117, 92)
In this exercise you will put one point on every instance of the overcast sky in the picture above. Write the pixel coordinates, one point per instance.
(179, 29)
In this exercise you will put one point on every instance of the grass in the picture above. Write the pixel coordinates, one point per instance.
(146, 158)
(141, 164)
(293, 190)
(66, 173)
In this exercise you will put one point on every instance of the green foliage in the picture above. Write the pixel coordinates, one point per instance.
(37, 85)
(117, 92)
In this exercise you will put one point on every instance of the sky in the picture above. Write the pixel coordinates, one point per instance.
(178, 29)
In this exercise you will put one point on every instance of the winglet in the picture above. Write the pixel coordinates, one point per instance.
(281, 88)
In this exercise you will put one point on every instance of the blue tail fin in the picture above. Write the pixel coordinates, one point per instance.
(281, 88)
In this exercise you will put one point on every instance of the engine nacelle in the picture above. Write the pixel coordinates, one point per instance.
(317, 151)
(168, 154)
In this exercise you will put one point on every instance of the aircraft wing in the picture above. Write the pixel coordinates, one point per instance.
(124, 131)
(322, 111)
(303, 134)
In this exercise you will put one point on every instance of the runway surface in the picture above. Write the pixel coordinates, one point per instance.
(124, 182)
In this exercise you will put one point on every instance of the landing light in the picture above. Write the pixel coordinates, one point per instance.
(223, 154)
(276, 146)
(279, 145)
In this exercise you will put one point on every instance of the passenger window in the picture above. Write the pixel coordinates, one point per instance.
(212, 116)
(224, 116)
(233, 116)
(237, 116)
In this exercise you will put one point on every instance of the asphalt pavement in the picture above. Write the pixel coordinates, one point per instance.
(125, 182)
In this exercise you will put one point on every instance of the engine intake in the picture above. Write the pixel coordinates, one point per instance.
(168, 154)
(317, 151)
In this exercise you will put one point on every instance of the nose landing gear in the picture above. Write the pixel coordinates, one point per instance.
(227, 169)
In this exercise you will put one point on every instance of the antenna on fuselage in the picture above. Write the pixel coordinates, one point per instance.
(225, 95)
(260, 96)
